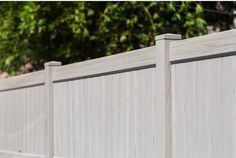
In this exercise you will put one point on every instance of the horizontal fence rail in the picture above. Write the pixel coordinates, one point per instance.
(22, 81)
(204, 47)
(137, 59)
(172, 100)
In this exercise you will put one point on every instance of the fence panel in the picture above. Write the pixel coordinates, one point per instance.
(204, 108)
(106, 116)
(22, 122)
(22, 116)
(106, 107)
(204, 96)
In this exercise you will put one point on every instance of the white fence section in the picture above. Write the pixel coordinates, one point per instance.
(204, 96)
(173, 100)
(22, 116)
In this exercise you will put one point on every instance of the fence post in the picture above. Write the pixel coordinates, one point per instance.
(164, 108)
(49, 107)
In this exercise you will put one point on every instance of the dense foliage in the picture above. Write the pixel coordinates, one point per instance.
(37, 32)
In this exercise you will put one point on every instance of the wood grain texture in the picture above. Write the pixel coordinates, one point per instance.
(128, 60)
(204, 111)
(110, 116)
(22, 122)
(203, 46)
(17, 82)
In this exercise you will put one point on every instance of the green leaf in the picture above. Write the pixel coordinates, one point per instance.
(10, 60)
(171, 7)
(90, 12)
(123, 38)
(199, 9)
(155, 16)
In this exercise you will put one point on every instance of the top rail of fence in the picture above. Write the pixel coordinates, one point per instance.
(136, 59)
(22, 81)
(204, 47)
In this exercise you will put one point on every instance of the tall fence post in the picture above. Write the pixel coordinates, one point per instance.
(164, 108)
(49, 107)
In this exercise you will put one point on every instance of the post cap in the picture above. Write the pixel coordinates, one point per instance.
(168, 36)
(52, 63)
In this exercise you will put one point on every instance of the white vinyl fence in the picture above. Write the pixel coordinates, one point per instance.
(176, 99)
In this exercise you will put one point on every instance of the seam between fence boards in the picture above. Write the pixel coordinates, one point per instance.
(203, 58)
(21, 87)
(105, 73)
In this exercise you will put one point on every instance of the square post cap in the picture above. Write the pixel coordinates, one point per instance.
(168, 36)
(52, 63)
